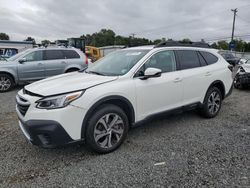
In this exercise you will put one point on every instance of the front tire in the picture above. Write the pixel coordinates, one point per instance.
(237, 83)
(212, 103)
(6, 83)
(107, 129)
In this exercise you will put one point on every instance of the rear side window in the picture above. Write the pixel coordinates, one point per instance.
(210, 58)
(202, 60)
(188, 59)
(54, 54)
(71, 54)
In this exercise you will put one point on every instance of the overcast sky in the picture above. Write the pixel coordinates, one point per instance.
(177, 19)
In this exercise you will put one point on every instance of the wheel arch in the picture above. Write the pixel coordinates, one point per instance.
(10, 74)
(220, 85)
(72, 67)
(117, 100)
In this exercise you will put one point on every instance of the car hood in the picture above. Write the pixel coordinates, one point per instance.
(67, 82)
(6, 63)
(246, 67)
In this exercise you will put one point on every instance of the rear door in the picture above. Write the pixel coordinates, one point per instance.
(55, 62)
(74, 60)
(193, 76)
(33, 68)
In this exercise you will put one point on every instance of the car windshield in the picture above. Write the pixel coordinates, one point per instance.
(15, 57)
(117, 63)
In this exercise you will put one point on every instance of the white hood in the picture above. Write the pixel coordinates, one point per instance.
(246, 67)
(67, 82)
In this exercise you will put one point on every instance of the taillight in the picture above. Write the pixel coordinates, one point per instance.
(86, 60)
(231, 67)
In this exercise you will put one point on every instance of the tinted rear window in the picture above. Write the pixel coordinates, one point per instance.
(188, 59)
(54, 54)
(210, 58)
(71, 54)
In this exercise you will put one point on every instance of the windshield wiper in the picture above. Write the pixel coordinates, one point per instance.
(97, 73)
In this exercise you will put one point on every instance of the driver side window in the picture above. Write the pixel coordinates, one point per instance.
(34, 56)
(164, 60)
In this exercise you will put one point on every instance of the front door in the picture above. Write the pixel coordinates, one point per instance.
(162, 93)
(32, 68)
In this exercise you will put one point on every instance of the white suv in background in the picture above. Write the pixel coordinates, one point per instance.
(100, 104)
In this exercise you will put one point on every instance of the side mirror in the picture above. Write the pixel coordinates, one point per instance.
(151, 73)
(21, 61)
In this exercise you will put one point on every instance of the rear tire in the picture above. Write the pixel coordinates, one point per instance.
(6, 83)
(212, 103)
(106, 129)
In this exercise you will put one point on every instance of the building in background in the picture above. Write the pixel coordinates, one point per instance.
(10, 48)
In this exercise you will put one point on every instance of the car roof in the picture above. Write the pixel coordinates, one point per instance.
(148, 47)
(152, 47)
(55, 48)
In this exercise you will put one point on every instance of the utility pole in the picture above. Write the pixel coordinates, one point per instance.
(235, 13)
(133, 35)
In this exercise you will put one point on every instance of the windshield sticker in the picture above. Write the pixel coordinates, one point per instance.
(133, 54)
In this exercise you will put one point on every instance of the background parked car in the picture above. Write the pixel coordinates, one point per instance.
(39, 63)
(242, 78)
(2, 58)
(230, 58)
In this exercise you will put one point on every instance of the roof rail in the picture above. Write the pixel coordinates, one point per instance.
(183, 44)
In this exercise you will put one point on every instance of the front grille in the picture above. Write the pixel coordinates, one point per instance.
(22, 105)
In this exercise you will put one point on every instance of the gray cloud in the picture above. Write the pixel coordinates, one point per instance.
(195, 19)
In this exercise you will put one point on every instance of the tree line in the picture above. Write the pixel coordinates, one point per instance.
(107, 37)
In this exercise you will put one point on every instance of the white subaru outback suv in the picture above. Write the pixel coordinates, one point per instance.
(99, 105)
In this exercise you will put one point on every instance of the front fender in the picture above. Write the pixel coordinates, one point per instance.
(12, 72)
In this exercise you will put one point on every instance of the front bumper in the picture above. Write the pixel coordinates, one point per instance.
(45, 133)
(244, 79)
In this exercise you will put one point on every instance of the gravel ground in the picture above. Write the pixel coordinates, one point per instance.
(190, 152)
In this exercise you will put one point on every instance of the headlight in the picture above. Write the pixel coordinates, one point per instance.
(58, 101)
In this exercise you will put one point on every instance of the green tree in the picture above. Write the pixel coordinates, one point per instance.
(214, 45)
(157, 41)
(4, 36)
(223, 45)
(45, 42)
(30, 39)
(186, 40)
(104, 37)
(239, 45)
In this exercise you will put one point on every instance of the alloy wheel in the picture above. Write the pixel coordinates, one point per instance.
(5, 83)
(214, 102)
(109, 130)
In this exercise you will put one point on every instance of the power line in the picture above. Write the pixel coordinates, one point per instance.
(185, 22)
(243, 19)
(227, 37)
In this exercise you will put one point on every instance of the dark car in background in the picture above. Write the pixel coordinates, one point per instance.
(230, 58)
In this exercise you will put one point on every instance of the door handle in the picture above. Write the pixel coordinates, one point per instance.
(63, 62)
(177, 80)
(208, 74)
(39, 64)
